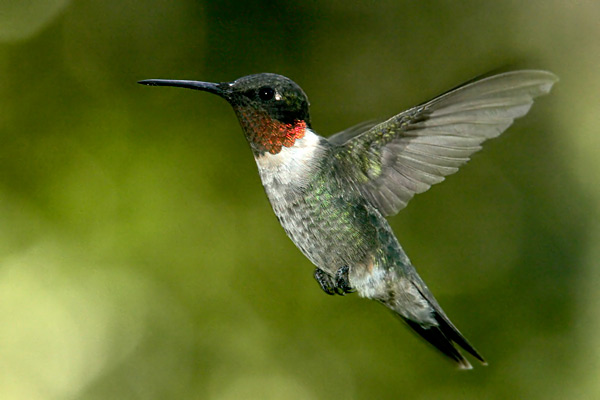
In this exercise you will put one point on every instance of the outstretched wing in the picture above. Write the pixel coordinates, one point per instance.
(411, 151)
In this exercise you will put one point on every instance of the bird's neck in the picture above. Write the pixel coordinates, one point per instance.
(266, 134)
(295, 165)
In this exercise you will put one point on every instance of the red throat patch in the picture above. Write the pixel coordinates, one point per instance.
(268, 134)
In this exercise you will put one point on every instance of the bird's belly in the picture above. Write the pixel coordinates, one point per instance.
(330, 231)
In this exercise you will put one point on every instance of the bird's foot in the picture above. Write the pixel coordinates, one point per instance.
(337, 284)
(325, 281)
(342, 282)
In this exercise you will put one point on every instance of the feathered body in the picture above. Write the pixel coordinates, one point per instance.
(332, 195)
(335, 226)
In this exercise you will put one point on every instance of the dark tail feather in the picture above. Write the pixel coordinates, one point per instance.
(443, 337)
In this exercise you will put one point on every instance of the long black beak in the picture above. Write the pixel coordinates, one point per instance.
(216, 88)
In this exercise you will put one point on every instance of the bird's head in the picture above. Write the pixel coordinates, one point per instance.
(272, 109)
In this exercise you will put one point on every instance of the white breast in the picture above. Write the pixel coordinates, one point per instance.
(292, 165)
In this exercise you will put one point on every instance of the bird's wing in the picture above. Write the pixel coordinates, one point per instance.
(411, 151)
(348, 133)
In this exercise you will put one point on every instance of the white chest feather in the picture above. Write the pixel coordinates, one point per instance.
(292, 165)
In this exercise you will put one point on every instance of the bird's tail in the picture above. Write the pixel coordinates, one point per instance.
(438, 330)
(444, 336)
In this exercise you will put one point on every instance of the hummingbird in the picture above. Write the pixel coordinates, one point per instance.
(332, 195)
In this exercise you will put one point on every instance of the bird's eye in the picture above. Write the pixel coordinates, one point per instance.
(266, 93)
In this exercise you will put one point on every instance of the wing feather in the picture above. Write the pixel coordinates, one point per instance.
(405, 155)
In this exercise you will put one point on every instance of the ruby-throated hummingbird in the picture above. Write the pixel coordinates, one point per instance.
(331, 195)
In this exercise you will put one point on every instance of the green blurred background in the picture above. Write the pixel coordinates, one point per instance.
(140, 259)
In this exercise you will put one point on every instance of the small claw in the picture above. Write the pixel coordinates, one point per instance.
(342, 282)
(325, 281)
